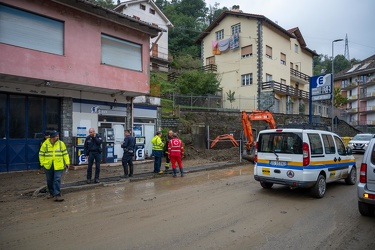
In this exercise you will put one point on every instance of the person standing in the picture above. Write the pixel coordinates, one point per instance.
(93, 151)
(53, 156)
(157, 151)
(46, 136)
(176, 153)
(127, 159)
(167, 139)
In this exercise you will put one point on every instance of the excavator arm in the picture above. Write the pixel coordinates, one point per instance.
(255, 115)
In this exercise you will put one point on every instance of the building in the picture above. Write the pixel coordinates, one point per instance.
(69, 65)
(266, 66)
(357, 83)
(148, 11)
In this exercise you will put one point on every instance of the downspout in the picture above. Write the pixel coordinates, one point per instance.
(260, 60)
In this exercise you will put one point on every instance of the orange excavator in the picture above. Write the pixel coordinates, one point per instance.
(255, 115)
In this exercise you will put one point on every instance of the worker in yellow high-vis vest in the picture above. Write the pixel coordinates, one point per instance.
(54, 157)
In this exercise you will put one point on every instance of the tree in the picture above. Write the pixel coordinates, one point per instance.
(105, 3)
(230, 97)
(197, 82)
(339, 100)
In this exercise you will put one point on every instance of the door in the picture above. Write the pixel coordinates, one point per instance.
(119, 138)
(149, 134)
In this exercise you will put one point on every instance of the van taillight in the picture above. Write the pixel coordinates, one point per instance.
(362, 173)
(306, 154)
(256, 152)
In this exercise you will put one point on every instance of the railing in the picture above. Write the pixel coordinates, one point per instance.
(299, 74)
(160, 55)
(210, 67)
(366, 95)
(285, 89)
(367, 108)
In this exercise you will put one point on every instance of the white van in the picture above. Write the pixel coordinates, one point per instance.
(304, 158)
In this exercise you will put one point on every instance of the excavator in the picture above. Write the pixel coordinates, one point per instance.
(255, 115)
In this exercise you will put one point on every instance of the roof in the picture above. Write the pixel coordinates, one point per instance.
(125, 4)
(111, 15)
(364, 67)
(292, 33)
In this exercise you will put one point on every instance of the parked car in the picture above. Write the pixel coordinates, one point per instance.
(360, 142)
(366, 184)
(302, 158)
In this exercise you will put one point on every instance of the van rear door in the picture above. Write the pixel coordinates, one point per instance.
(371, 168)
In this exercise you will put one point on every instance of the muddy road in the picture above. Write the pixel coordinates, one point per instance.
(220, 209)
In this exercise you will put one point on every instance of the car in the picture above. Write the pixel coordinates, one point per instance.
(366, 184)
(360, 142)
(302, 158)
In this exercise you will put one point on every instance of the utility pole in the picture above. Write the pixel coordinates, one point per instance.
(346, 54)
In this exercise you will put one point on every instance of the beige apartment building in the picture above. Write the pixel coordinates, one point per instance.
(261, 64)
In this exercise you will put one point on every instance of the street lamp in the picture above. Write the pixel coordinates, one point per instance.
(333, 81)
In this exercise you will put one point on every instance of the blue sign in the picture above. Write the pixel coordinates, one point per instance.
(321, 86)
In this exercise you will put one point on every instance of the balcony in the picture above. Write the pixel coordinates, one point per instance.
(285, 89)
(297, 76)
(349, 86)
(367, 96)
(159, 57)
(367, 109)
(369, 82)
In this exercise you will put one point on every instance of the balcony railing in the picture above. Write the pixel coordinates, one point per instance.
(367, 95)
(285, 89)
(299, 74)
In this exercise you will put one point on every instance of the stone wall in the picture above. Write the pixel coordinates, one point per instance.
(229, 122)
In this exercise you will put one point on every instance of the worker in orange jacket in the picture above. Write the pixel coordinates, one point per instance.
(176, 153)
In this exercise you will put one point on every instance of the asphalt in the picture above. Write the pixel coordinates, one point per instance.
(113, 175)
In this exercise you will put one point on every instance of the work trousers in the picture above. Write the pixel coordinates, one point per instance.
(97, 157)
(53, 180)
(127, 160)
(158, 155)
(175, 159)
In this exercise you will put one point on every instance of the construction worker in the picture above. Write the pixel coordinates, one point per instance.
(157, 151)
(54, 157)
(167, 139)
(176, 153)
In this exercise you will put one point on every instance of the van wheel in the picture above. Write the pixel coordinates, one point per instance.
(319, 189)
(266, 185)
(352, 177)
(365, 209)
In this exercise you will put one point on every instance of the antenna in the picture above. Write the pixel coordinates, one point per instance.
(346, 54)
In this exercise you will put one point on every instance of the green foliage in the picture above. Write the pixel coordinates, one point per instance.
(162, 79)
(186, 62)
(105, 3)
(197, 82)
(323, 64)
(339, 100)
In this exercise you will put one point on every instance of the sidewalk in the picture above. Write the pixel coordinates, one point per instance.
(112, 174)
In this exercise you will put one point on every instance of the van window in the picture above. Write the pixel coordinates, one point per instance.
(340, 146)
(315, 144)
(329, 145)
(286, 143)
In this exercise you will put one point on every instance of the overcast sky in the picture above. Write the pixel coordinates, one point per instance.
(320, 22)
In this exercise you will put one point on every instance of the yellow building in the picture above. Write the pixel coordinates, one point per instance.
(264, 65)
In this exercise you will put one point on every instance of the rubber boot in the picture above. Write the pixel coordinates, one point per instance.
(167, 166)
(174, 172)
(182, 172)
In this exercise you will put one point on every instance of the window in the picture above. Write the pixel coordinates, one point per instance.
(236, 28)
(152, 11)
(210, 60)
(219, 35)
(315, 144)
(291, 65)
(296, 48)
(28, 30)
(268, 52)
(247, 51)
(283, 58)
(121, 53)
(3, 102)
(247, 79)
(286, 143)
(340, 146)
(329, 146)
(283, 81)
(142, 7)
(268, 77)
